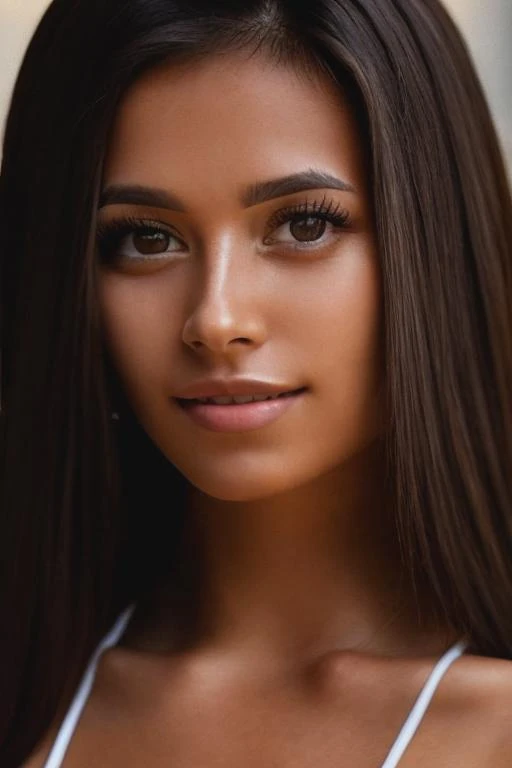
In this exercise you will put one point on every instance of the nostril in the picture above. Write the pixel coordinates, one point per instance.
(240, 340)
(219, 343)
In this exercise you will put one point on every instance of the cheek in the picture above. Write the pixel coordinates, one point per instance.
(137, 327)
(349, 317)
(334, 316)
(342, 333)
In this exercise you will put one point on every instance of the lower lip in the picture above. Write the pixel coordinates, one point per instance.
(239, 418)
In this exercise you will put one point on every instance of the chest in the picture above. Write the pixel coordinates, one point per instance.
(298, 726)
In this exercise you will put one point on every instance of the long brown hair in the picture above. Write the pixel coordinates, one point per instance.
(80, 529)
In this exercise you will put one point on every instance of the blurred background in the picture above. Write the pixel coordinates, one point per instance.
(486, 24)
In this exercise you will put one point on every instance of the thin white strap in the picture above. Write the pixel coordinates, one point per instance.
(417, 713)
(69, 724)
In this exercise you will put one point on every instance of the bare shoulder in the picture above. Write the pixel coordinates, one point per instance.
(39, 756)
(483, 681)
(479, 691)
(37, 759)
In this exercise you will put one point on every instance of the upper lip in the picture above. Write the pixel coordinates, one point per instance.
(220, 387)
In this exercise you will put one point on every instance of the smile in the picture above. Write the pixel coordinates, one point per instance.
(239, 399)
(238, 413)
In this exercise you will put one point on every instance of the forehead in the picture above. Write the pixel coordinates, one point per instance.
(228, 121)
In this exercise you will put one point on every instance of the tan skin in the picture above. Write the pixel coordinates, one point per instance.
(305, 647)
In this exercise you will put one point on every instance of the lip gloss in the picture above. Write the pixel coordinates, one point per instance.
(235, 417)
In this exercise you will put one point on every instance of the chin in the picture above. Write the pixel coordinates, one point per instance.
(235, 486)
(238, 478)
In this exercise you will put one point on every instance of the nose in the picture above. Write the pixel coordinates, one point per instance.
(226, 316)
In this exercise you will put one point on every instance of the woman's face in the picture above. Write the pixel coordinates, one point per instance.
(238, 258)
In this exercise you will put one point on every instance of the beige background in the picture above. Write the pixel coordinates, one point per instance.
(487, 25)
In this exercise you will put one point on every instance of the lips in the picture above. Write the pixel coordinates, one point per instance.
(223, 387)
(234, 399)
(238, 413)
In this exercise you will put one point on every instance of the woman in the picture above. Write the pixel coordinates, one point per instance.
(257, 364)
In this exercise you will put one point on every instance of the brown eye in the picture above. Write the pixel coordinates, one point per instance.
(151, 242)
(128, 241)
(308, 230)
(308, 226)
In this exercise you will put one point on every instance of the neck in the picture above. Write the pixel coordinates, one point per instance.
(292, 577)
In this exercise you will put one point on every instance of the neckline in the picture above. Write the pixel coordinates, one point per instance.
(111, 639)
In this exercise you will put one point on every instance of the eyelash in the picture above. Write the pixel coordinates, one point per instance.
(324, 210)
(110, 234)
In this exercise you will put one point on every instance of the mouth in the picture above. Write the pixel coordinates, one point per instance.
(224, 400)
(238, 413)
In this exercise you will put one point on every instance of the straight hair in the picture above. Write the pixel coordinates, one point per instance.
(86, 503)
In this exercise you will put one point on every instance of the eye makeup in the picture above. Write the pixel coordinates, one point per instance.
(329, 211)
(309, 213)
(112, 236)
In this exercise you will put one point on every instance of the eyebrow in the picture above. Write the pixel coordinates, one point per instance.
(289, 185)
(255, 194)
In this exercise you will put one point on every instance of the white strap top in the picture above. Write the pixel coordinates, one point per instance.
(395, 754)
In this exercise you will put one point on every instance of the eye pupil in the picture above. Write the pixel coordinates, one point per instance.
(308, 229)
(151, 242)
